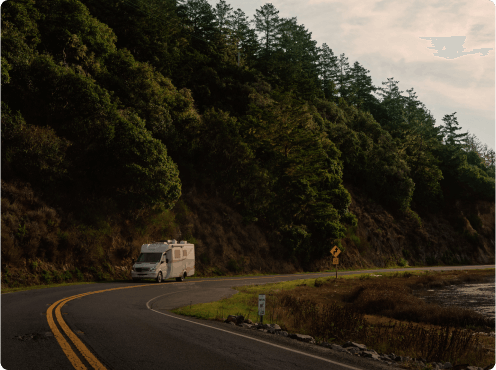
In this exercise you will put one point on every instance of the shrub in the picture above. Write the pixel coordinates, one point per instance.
(403, 262)
(234, 266)
(47, 277)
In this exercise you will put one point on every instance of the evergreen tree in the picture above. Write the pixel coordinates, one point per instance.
(328, 71)
(296, 58)
(343, 76)
(199, 15)
(267, 24)
(393, 104)
(449, 130)
(223, 17)
(243, 36)
(360, 87)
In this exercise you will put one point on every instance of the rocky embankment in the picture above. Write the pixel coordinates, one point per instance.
(351, 348)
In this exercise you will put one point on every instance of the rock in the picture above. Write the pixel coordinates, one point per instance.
(275, 326)
(232, 323)
(339, 348)
(447, 365)
(240, 319)
(246, 326)
(362, 347)
(231, 318)
(472, 368)
(421, 359)
(370, 354)
(353, 350)
(248, 321)
(325, 344)
(400, 358)
(302, 338)
(283, 333)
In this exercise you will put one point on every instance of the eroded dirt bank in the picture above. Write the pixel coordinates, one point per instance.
(60, 250)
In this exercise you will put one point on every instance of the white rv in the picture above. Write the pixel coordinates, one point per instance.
(165, 260)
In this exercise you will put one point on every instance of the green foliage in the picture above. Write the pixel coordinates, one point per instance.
(92, 116)
(47, 277)
(402, 262)
(235, 266)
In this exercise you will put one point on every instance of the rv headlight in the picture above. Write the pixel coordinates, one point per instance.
(152, 269)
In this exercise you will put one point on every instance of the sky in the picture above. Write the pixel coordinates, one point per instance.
(444, 49)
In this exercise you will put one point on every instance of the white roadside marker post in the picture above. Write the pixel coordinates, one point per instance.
(261, 306)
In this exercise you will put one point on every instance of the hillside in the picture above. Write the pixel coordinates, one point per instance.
(126, 122)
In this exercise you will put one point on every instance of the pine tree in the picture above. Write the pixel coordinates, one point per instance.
(328, 71)
(360, 86)
(343, 75)
(223, 17)
(267, 24)
(449, 131)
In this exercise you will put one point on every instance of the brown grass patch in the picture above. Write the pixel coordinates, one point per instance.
(384, 314)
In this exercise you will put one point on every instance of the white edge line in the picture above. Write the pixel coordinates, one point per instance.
(245, 336)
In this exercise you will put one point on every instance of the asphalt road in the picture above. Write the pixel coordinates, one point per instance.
(129, 326)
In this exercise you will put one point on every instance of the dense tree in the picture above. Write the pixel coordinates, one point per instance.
(104, 102)
(223, 17)
(295, 59)
(450, 137)
(266, 22)
(328, 71)
(360, 92)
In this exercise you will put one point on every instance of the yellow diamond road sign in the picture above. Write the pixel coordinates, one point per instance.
(335, 251)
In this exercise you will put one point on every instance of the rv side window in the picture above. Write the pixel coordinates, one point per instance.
(185, 253)
(177, 254)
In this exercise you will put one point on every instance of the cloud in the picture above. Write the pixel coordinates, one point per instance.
(452, 47)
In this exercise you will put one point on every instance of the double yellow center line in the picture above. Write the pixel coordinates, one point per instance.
(64, 344)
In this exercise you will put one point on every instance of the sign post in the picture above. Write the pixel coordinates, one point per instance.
(261, 306)
(335, 261)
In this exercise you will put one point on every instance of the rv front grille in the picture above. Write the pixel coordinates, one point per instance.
(142, 269)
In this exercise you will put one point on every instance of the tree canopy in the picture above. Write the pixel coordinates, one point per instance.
(129, 101)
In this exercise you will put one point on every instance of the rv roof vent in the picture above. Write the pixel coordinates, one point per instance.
(173, 241)
(183, 242)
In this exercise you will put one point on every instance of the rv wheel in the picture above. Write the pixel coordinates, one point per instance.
(159, 278)
(180, 278)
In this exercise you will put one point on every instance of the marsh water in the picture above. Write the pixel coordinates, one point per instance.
(475, 296)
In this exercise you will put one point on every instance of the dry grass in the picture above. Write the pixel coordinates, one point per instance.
(383, 313)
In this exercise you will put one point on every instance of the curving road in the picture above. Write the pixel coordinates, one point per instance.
(129, 326)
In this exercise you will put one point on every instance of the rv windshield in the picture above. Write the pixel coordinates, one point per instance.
(149, 257)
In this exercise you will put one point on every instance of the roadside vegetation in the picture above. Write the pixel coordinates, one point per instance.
(379, 310)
